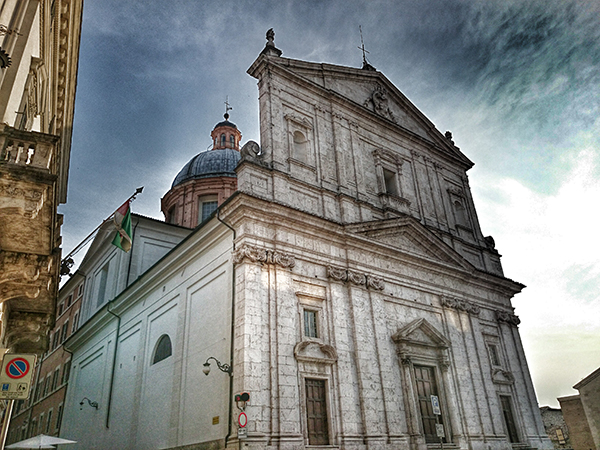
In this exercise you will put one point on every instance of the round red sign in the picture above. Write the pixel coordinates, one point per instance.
(17, 368)
(242, 420)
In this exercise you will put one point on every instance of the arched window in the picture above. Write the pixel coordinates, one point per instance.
(163, 349)
(232, 141)
(300, 146)
(223, 140)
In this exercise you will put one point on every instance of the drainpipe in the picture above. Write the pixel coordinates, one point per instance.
(230, 399)
(59, 425)
(112, 374)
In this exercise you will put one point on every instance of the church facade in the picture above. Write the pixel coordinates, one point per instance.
(344, 284)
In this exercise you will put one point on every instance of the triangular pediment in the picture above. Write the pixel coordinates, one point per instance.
(412, 238)
(104, 236)
(370, 91)
(421, 332)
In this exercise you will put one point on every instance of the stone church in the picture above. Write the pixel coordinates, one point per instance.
(336, 273)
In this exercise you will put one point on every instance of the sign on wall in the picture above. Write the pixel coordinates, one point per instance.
(15, 376)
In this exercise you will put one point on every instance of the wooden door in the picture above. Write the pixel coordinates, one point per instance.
(316, 412)
(426, 387)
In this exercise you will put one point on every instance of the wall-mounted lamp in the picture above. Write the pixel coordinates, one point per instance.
(90, 402)
(222, 367)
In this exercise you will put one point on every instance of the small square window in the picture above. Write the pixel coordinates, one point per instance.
(310, 324)
(206, 206)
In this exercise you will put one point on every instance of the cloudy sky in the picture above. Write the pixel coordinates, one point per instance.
(516, 81)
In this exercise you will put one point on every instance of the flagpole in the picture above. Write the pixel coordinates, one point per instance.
(65, 264)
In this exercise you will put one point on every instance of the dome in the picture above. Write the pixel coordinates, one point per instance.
(226, 123)
(213, 163)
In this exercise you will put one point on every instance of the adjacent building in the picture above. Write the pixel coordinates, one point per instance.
(556, 427)
(582, 413)
(43, 411)
(336, 273)
(39, 51)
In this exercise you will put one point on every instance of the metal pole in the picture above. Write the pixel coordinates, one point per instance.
(437, 420)
(89, 236)
(6, 423)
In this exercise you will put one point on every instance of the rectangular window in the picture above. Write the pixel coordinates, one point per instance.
(49, 422)
(61, 307)
(426, 387)
(75, 320)
(391, 183)
(316, 412)
(494, 356)
(80, 290)
(65, 332)
(509, 418)
(59, 416)
(310, 323)
(207, 207)
(39, 390)
(66, 370)
(69, 300)
(102, 277)
(55, 378)
(55, 339)
(33, 429)
(47, 385)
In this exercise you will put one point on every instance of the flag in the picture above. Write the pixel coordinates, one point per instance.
(122, 220)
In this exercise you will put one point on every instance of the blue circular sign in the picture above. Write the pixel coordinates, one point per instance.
(17, 368)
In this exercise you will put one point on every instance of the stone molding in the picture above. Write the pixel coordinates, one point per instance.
(316, 352)
(386, 155)
(28, 202)
(500, 376)
(461, 305)
(357, 278)
(509, 318)
(263, 256)
(456, 191)
(299, 121)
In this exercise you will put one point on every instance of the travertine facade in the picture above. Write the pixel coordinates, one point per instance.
(346, 282)
(39, 50)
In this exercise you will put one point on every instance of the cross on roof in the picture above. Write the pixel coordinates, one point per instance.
(362, 46)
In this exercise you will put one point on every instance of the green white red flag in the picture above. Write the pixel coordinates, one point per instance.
(122, 220)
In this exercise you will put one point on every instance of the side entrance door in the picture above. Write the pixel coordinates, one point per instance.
(316, 412)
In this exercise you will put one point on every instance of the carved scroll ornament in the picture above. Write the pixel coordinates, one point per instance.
(461, 305)
(509, 318)
(356, 278)
(263, 256)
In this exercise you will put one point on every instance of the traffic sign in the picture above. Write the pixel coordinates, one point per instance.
(439, 430)
(15, 376)
(242, 433)
(17, 368)
(242, 419)
(435, 403)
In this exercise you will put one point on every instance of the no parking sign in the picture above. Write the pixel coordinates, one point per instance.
(15, 376)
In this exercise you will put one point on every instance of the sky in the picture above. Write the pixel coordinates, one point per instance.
(516, 81)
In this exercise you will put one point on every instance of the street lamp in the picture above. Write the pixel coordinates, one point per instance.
(90, 402)
(222, 367)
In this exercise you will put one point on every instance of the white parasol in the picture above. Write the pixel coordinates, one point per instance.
(40, 441)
